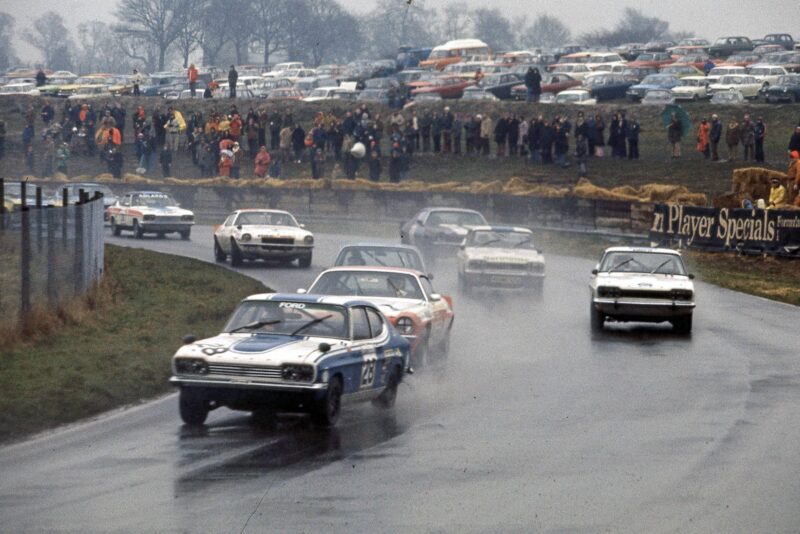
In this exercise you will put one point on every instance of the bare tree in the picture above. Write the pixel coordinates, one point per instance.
(160, 21)
(242, 18)
(269, 22)
(189, 39)
(7, 57)
(455, 21)
(50, 36)
(492, 27)
(546, 31)
(137, 47)
(99, 49)
(332, 32)
(392, 24)
(217, 29)
(633, 27)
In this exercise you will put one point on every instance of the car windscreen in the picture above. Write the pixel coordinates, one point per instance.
(642, 262)
(265, 218)
(500, 239)
(290, 318)
(368, 284)
(380, 257)
(789, 80)
(460, 218)
(153, 200)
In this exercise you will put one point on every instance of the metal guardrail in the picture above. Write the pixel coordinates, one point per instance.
(48, 254)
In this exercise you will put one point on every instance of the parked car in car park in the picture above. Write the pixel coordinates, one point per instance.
(785, 89)
(727, 46)
(576, 96)
(783, 39)
(747, 85)
(766, 74)
(691, 88)
(658, 97)
(654, 81)
(604, 86)
(733, 97)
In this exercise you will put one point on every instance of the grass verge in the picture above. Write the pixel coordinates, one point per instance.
(120, 353)
(768, 277)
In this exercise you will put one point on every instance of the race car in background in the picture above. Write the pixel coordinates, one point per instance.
(439, 229)
(150, 212)
(251, 234)
(292, 353)
(405, 296)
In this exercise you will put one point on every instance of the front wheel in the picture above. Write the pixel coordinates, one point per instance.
(597, 318)
(115, 229)
(304, 261)
(682, 325)
(327, 410)
(219, 254)
(193, 407)
(387, 399)
(236, 254)
(138, 233)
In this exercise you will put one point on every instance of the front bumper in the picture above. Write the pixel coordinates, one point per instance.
(643, 309)
(156, 226)
(246, 383)
(503, 279)
(254, 249)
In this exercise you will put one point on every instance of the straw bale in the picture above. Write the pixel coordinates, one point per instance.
(586, 189)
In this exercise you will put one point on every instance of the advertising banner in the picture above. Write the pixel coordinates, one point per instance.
(756, 231)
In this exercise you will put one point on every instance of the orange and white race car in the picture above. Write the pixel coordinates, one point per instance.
(406, 297)
(150, 212)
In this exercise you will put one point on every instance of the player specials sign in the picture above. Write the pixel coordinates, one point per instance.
(772, 231)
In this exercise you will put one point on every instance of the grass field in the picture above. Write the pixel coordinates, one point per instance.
(120, 353)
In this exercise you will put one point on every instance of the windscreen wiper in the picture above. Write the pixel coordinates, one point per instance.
(660, 266)
(311, 323)
(620, 264)
(254, 325)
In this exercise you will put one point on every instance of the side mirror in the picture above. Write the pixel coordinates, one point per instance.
(239, 227)
(419, 222)
(594, 271)
(188, 339)
(324, 347)
(691, 277)
(430, 276)
(436, 297)
(302, 291)
(302, 225)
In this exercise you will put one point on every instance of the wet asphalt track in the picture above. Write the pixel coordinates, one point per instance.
(534, 426)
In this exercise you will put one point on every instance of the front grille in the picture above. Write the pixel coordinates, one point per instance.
(645, 294)
(245, 370)
(167, 218)
(278, 240)
(497, 266)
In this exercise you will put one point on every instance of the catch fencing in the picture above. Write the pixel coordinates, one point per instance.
(49, 254)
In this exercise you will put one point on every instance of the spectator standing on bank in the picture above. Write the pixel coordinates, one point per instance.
(522, 136)
(487, 128)
(285, 144)
(233, 77)
(748, 136)
(298, 142)
(62, 158)
(512, 126)
(236, 160)
(732, 139)
(41, 78)
(192, 76)
(394, 164)
(674, 135)
(47, 114)
(374, 162)
(165, 158)
(533, 84)
(501, 135)
(456, 128)
(703, 133)
(425, 123)
(436, 132)
(137, 83)
(759, 133)
(599, 140)
(261, 162)
(714, 136)
(447, 130)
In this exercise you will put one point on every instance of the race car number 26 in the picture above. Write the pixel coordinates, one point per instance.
(368, 371)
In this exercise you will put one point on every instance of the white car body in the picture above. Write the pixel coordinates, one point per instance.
(579, 97)
(658, 97)
(89, 92)
(20, 88)
(578, 71)
(745, 84)
(150, 212)
(500, 263)
(691, 88)
(250, 234)
(321, 93)
(767, 74)
(644, 285)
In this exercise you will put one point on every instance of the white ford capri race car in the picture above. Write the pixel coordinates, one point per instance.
(642, 284)
(252, 234)
(149, 212)
(302, 353)
(499, 256)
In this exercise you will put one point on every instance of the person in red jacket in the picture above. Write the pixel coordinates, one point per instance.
(236, 127)
(225, 164)
(192, 75)
(262, 162)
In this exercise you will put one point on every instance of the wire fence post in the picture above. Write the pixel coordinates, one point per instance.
(25, 264)
(78, 248)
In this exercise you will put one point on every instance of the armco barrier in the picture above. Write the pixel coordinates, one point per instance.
(212, 204)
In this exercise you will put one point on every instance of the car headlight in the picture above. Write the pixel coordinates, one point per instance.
(149, 218)
(191, 366)
(609, 292)
(309, 240)
(246, 237)
(405, 325)
(681, 294)
(187, 218)
(298, 373)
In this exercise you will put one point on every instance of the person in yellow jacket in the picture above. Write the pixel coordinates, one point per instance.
(793, 178)
(777, 195)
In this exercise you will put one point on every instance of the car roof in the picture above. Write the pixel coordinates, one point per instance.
(146, 192)
(364, 268)
(259, 210)
(463, 210)
(643, 249)
(310, 299)
(381, 245)
(498, 228)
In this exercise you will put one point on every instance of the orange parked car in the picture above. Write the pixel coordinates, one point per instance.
(453, 52)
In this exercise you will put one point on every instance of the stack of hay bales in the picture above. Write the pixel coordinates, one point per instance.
(648, 193)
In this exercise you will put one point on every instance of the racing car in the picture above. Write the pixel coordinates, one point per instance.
(500, 256)
(439, 229)
(250, 234)
(643, 285)
(405, 296)
(149, 212)
(301, 353)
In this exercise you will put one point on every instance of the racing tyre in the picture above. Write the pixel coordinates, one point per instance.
(597, 318)
(236, 254)
(185, 234)
(329, 406)
(137, 230)
(304, 261)
(115, 230)
(193, 407)
(683, 325)
(219, 255)
(419, 358)
(387, 399)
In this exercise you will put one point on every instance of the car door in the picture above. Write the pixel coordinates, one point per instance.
(364, 345)
(123, 217)
(224, 233)
(440, 310)
(384, 353)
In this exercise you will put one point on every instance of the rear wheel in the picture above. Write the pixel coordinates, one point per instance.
(236, 254)
(327, 410)
(193, 406)
(115, 230)
(219, 254)
(137, 230)
(682, 325)
(387, 399)
(597, 318)
(185, 234)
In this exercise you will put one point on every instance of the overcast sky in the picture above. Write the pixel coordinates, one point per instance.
(706, 18)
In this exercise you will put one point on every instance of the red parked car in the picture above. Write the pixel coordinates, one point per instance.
(551, 83)
(652, 59)
(446, 86)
